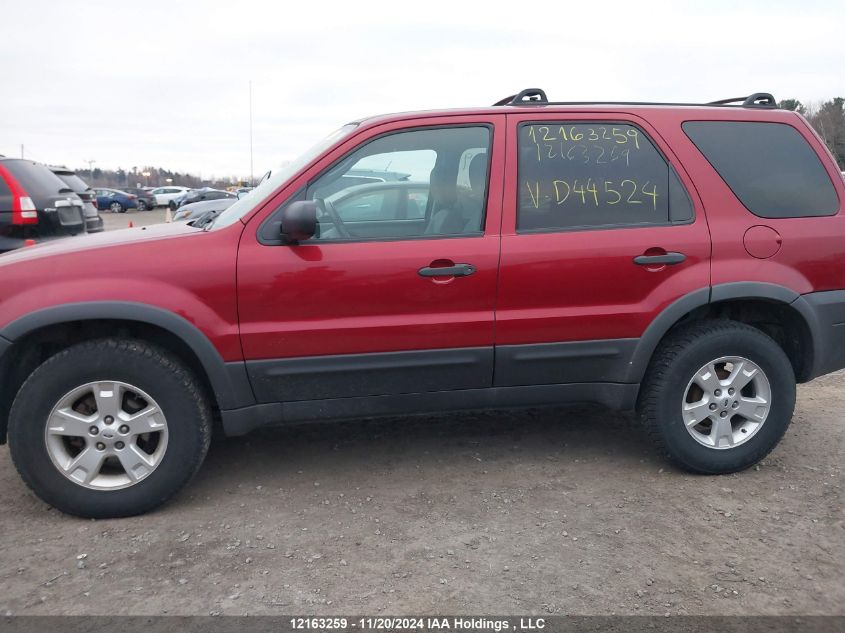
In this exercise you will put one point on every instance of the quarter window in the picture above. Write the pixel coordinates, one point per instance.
(770, 167)
(590, 175)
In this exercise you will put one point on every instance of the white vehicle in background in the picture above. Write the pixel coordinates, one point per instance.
(163, 195)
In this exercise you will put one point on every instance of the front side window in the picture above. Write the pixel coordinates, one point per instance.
(406, 185)
(770, 167)
(591, 175)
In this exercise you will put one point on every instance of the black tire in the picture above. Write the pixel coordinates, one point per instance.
(676, 361)
(163, 377)
(142, 206)
(171, 205)
(116, 207)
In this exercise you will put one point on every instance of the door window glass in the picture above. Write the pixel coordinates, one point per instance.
(596, 174)
(419, 183)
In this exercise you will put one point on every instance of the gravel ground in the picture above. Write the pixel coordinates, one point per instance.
(536, 512)
(113, 221)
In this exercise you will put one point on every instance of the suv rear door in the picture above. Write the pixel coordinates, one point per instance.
(602, 231)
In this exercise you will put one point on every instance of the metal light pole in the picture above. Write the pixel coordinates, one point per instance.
(251, 171)
(90, 167)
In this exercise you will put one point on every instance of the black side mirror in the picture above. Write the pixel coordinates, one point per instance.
(299, 221)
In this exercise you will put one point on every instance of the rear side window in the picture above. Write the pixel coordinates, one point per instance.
(73, 181)
(594, 175)
(36, 179)
(770, 167)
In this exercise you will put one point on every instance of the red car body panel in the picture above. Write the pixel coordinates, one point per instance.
(171, 266)
(583, 284)
(341, 298)
(811, 257)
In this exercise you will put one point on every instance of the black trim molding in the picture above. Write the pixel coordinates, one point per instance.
(352, 375)
(557, 363)
(613, 395)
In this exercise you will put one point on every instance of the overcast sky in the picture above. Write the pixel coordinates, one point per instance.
(166, 83)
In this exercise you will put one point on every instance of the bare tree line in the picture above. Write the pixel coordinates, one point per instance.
(828, 119)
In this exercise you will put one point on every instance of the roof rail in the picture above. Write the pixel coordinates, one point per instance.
(756, 100)
(536, 96)
(529, 95)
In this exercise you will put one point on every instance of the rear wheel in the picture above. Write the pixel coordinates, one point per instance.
(718, 396)
(109, 428)
(142, 206)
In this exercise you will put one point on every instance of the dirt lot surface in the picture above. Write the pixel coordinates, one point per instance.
(113, 221)
(553, 511)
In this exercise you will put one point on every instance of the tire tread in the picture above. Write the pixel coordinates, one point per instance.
(178, 375)
(658, 374)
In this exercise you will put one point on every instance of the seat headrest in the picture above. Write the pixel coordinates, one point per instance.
(478, 172)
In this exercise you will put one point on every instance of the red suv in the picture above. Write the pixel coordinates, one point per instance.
(686, 261)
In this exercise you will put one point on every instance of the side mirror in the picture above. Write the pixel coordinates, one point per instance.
(299, 221)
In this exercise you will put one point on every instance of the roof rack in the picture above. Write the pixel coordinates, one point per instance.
(756, 100)
(530, 96)
(536, 96)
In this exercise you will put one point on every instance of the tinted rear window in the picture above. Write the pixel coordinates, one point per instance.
(769, 166)
(73, 181)
(37, 180)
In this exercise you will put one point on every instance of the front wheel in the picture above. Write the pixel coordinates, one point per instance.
(109, 428)
(116, 207)
(718, 396)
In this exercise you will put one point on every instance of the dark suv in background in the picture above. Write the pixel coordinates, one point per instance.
(35, 204)
(146, 200)
(93, 221)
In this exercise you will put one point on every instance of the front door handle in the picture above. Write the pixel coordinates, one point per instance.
(667, 259)
(455, 270)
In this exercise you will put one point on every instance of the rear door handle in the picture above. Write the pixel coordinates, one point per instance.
(456, 270)
(669, 259)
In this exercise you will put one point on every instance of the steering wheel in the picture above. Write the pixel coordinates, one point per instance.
(327, 208)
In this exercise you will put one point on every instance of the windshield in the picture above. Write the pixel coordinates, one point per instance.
(278, 178)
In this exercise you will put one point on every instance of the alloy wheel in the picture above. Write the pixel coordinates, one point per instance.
(726, 402)
(106, 435)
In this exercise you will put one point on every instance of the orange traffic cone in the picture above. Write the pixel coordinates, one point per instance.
(131, 226)
(29, 243)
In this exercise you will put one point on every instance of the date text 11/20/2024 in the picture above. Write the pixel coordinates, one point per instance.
(433, 623)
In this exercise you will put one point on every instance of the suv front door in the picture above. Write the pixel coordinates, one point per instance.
(602, 231)
(360, 309)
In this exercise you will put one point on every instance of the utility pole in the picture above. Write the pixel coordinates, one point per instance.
(90, 168)
(251, 171)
